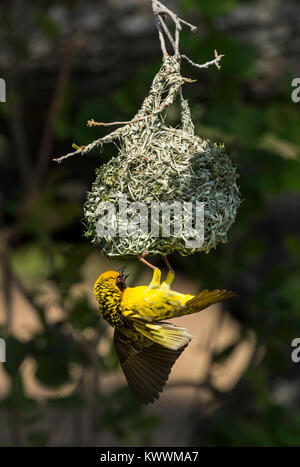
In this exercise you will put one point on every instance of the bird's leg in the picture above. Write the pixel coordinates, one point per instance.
(171, 274)
(155, 282)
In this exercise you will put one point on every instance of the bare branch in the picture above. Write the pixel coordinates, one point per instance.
(167, 32)
(191, 26)
(158, 10)
(215, 61)
(98, 142)
(161, 37)
(92, 122)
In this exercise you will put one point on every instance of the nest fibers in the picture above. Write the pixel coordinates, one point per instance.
(157, 163)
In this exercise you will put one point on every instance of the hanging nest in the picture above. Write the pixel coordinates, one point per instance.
(159, 163)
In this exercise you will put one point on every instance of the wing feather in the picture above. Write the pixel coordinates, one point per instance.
(145, 368)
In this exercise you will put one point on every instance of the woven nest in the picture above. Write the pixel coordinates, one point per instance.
(159, 163)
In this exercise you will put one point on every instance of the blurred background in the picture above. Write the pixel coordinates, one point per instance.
(64, 62)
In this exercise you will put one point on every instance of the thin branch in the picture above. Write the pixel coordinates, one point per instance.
(92, 122)
(167, 32)
(215, 61)
(161, 38)
(85, 149)
(191, 26)
(158, 10)
(177, 38)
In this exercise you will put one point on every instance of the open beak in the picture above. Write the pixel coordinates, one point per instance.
(121, 272)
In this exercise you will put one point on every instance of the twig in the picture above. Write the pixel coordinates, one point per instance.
(161, 37)
(158, 10)
(92, 122)
(84, 150)
(215, 61)
(167, 32)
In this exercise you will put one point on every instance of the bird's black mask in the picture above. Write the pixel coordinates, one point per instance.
(120, 281)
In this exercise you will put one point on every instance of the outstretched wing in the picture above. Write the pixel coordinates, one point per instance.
(146, 368)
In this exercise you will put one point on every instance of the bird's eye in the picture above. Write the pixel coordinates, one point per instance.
(120, 283)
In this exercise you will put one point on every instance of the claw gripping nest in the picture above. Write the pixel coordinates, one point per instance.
(159, 163)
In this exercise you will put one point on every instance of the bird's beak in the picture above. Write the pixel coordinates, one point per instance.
(121, 272)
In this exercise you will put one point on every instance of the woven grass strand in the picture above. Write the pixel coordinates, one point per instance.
(160, 163)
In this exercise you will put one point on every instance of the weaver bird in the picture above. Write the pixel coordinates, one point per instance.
(148, 347)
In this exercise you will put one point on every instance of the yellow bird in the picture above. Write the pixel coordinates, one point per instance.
(148, 347)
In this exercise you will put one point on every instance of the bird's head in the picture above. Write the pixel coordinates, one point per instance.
(111, 282)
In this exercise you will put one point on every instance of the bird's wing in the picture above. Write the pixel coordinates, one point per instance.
(146, 368)
(165, 334)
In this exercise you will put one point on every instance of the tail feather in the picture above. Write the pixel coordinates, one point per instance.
(206, 298)
(165, 334)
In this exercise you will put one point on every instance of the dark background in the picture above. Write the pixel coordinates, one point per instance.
(65, 62)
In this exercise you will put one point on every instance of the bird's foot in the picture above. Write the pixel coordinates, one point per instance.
(155, 282)
(170, 276)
